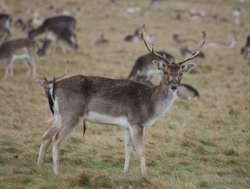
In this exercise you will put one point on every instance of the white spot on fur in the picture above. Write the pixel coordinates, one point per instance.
(51, 89)
(57, 119)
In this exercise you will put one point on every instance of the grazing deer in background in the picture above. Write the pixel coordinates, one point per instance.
(20, 49)
(143, 71)
(5, 27)
(128, 104)
(60, 29)
(245, 51)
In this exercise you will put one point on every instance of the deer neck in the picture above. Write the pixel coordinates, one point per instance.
(163, 97)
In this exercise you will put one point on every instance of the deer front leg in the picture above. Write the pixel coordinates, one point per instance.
(137, 132)
(128, 150)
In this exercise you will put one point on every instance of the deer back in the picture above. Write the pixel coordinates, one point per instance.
(17, 47)
(80, 95)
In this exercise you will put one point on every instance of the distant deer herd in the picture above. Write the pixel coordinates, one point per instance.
(134, 103)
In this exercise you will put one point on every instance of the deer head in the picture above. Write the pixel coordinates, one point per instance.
(172, 71)
(44, 82)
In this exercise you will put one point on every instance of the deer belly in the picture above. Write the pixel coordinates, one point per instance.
(20, 56)
(107, 119)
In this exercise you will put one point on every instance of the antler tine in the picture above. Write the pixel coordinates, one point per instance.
(65, 72)
(40, 76)
(151, 50)
(196, 53)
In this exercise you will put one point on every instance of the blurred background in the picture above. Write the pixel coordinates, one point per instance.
(199, 143)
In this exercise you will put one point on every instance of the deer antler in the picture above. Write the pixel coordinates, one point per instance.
(196, 53)
(151, 50)
(43, 79)
(65, 72)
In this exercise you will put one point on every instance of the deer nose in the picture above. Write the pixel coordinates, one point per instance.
(174, 87)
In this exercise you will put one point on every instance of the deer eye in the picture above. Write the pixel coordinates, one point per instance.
(165, 71)
(180, 76)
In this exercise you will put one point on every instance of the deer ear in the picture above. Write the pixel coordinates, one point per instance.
(159, 64)
(187, 67)
(41, 82)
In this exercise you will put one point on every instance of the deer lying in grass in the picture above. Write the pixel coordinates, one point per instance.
(178, 39)
(231, 43)
(20, 49)
(143, 71)
(60, 29)
(100, 39)
(186, 52)
(133, 37)
(126, 103)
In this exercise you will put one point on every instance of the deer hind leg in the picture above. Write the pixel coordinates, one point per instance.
(47, 138)
(65, 38)
(9, 69)
(128, 150)
(66, 128)
(32, 66)
(137, 132)
(61, 44)
(72, 34)
(75, 40)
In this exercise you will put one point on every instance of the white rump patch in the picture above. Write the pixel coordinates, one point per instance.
(57, 120)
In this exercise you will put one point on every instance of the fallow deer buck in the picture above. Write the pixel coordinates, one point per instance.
(60, 29)
(129, 104)
(20, 49)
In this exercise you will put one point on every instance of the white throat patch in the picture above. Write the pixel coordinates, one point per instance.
(162, 108)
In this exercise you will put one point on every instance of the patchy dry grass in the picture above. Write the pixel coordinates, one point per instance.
(197, 144)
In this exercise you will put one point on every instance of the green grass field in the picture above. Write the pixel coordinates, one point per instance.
(202, 143)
